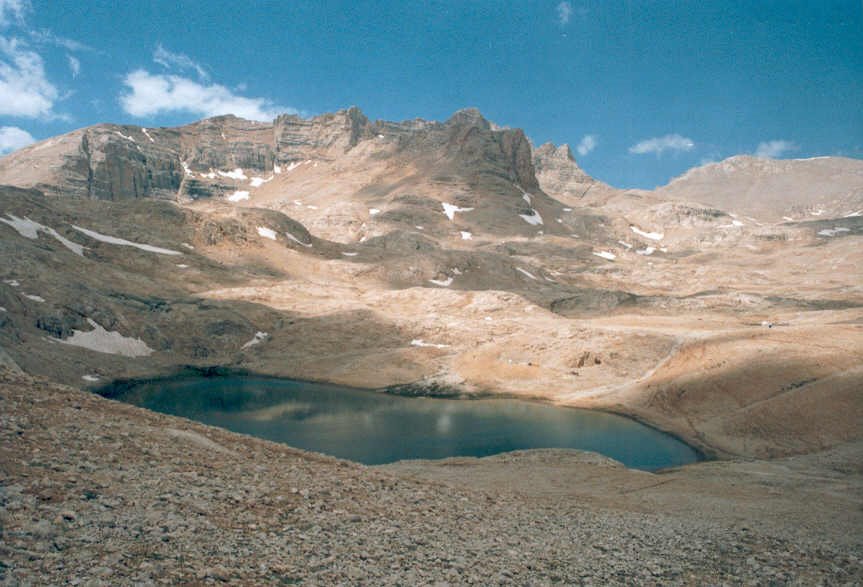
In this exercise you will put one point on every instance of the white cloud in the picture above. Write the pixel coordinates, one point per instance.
(12, 138)
(564, 13)
(45, 37)
(74, 65)
(588, 143)
(179, 61)
(151, 94)
(773, 149)
(24, 89)
(658, 145)
(13, 11)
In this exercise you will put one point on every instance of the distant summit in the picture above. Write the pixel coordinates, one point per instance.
(774, 189)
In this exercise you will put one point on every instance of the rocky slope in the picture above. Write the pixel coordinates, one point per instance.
(102, 493)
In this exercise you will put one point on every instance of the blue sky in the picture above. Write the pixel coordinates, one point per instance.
(647, 89)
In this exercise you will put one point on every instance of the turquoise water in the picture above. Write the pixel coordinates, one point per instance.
(375, 428)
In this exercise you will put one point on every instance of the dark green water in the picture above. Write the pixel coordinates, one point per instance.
(374, 428)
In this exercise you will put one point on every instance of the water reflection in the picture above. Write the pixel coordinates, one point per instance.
(376, 428)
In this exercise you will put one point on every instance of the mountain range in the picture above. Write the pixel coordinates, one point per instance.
(442, 257)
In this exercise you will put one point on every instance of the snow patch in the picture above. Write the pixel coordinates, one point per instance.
(442, 282)
(107, 341)
(293, 165)
(74, 247)
(817, 212)
(654, 236)
(450, 210)
(277, 169)
(30, 229)
(533, 218)
(349, 254)
(25, 227)
(257, 339)
(298, 241)
(90, 378)
(182, 266)
(238, 195)
(267, 232)
(123, 242)
(526, 197)
(235, 174)
(625, 244)
(2, 309)
(605, 255)
(854, 214)
(787, 219)
(144, 130)
(421, 343)
(526, 272)
(374, 211)
(418, 227)
(128, 138)
(833, 231)
(188, 246)
(257, 182)
(12, 282)
(567, 209)
(466, 236)
(35, 298)
(646, 251)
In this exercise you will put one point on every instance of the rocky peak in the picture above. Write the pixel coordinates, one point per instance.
(548, 151)
(469, 117)
(559, 174)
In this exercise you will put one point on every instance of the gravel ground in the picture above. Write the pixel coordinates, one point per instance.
(95, 492)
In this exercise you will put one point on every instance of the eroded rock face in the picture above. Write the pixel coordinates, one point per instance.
(558, 173)
(105, 162)
(199, 160)
(326, 136)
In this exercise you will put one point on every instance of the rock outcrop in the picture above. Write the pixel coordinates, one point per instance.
(113, 162)
(559, 175)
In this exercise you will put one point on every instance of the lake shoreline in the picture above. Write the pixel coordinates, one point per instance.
(125, 390)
